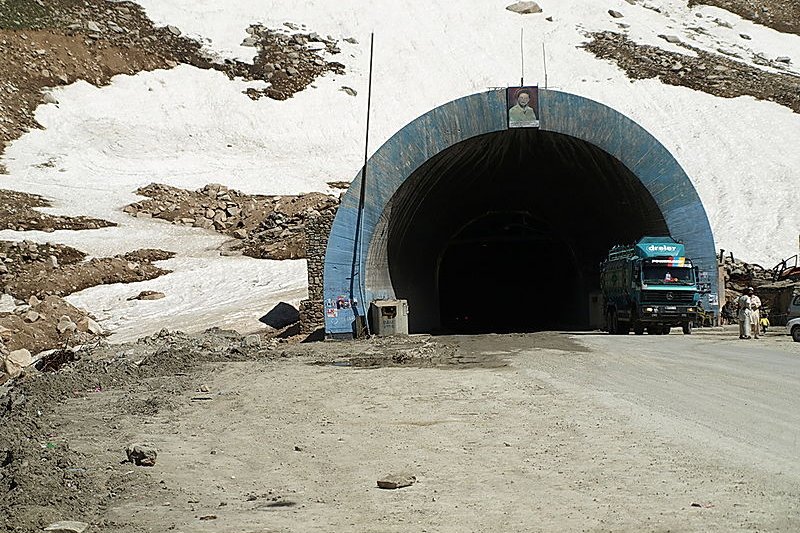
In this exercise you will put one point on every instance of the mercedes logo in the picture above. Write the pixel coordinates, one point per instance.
(669, 296)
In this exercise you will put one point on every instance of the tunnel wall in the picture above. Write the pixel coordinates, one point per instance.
(356, 264)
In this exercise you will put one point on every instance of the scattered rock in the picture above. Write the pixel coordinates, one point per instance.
(87, 325)
(7, 304)
(31, 317)
(16, 361)
(745, 36)
(174, 30)
(252, 341)
(65, 324)
(396, 481)
(615, 14)
(148, 295)
(783, 59)
(143, 454)
(67, 527)
(349, 90)
(674, 39)
(524, 7)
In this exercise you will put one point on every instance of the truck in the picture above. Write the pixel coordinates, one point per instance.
(649, 286)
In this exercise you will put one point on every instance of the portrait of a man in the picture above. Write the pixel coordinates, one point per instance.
(523, 107)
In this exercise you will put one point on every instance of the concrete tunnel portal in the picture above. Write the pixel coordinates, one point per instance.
(485, 228)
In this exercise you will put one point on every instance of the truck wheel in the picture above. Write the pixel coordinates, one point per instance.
(796, 334)
(638, 329)
(623, 328)
(665, 330)
(687, 328)
(654, 330)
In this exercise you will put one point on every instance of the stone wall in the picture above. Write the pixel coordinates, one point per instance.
(317, 231)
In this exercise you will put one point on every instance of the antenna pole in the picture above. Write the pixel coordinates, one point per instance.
(521, 58)
(362, 197)
(544, 60)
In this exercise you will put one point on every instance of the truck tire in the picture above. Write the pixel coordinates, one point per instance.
(687, 328)
(638, 329)
(796, 334)
(665, 330)
(654, 330)
(623, 328)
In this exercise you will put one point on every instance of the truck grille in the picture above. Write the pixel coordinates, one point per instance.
(668, 297)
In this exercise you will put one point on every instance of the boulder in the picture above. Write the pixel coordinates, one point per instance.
(525, 8)
(17, 361)
(65, 324)
(143, 454)
(396, 481)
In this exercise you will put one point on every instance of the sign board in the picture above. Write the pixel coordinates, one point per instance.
(522, 104)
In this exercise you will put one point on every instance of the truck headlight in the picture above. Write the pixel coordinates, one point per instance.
(648, 309)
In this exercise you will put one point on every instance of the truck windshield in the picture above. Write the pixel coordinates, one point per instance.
(664, 275)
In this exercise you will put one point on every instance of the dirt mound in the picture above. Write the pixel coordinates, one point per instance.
(30, 269)
(710, 73)
(269, 227)
(17, 213)
(41, 478)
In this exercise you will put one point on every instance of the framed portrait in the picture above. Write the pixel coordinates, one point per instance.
(523, 107)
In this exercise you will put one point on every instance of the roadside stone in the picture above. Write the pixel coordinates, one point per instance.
(396, 481)
(67, 526)
(31, 317)
(143, 454)
(525, 8)
(66, 324)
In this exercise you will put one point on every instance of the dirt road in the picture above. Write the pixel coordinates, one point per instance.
(542, 432)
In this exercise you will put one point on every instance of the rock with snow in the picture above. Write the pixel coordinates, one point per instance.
(525, 8)
(615, 14)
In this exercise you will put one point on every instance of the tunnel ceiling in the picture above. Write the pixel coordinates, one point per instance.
(512, 217)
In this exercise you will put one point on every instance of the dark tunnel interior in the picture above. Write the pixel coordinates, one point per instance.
(505, 232)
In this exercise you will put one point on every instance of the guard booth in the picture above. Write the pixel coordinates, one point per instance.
(389, 317)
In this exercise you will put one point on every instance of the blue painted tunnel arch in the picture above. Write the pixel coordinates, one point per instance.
(356, 264)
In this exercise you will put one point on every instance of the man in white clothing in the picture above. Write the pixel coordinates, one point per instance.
(744, 315)
(755, 312)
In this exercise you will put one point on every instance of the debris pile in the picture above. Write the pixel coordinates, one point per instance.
(31, 269)
(268, 227)
(17, 213)
(711, 73)
(36, 325)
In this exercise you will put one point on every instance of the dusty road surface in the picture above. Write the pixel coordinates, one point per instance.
(535, 432)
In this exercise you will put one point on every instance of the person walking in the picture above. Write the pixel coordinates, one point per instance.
(755, 312)
(744, 314)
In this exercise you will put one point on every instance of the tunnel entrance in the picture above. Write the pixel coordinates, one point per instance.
(482, 227)
(505, 232)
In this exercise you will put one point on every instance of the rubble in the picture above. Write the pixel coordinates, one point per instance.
(524, 7)
(711, 73)
(268, 227)
(33, 269)
(777, 14)
(17, 213)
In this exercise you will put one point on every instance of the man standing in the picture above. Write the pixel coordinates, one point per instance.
(744, 314)
(755, 312)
